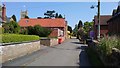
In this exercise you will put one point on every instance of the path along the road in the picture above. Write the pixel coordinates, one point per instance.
(69, 53)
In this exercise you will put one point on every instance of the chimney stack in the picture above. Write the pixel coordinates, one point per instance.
(3, 13)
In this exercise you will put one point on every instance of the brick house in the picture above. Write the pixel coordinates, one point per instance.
(57, 25)
(114, 22)
(103, 25)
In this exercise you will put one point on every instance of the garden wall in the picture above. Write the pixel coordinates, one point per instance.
(12, 51)
(49, 42)
(109, 60)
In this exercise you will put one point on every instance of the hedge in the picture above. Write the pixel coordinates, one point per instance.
(8, 38)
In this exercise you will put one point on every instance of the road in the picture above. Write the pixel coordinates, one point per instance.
(69, 53)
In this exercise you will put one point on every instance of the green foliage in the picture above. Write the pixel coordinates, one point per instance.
(8, 38)
(38, 30)
(1, 30)
(60, 16)
(93, 57)
(26, 17)
(11, 27)
(0, 8)
(106, 45)
(56, 15)
(50, 14)
(24, 31)
(80, 24)
(14, 18)
(70, 29)
(75, 30)
(88, 26)
(30, 30)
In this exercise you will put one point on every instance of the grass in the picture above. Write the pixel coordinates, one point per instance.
(93, 57)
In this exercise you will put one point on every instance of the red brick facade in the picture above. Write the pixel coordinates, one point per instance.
(56, 25)
(103, 25)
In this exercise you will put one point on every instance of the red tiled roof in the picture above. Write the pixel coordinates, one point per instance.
(103, 19)
(57, 22)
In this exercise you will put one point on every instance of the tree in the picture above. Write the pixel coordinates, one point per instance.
(14, 18)
(30, 30)
(11, 27)
(80, 24)
(0, 8)
(56, 15)
(88, 26)
(60, 16)
(75, 30)
(38, 30)
(70, 29)
(50, 14)
(27, 17)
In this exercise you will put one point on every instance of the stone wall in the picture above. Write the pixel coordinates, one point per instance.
(12, 51)
(49, 42)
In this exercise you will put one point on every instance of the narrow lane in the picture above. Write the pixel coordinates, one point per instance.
(69, 53)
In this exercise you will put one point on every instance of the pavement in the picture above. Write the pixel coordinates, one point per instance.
(69, 53)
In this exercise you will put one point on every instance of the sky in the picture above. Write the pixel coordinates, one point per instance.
(73, 11)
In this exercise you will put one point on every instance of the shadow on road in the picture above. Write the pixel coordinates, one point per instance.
(64, 48)
(77, 42)
(83, 58)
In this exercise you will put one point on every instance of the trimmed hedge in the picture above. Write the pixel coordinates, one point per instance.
(8, 38)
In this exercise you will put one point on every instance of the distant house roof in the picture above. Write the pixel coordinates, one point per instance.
(103, 19)
(114, 12)
(57, 22)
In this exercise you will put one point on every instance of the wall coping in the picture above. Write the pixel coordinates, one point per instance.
(6, 44)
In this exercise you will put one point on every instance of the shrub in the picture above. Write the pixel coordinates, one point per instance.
(11, 27)
(38, 30)
(24, 31)
(106, 45)
(8, 38)
(30, 30)
(1, 30)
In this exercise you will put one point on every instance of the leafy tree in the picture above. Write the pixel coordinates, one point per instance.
(56, 15)
(38, 30)
(70, 29)
(27, 17)
(50, 14)
(60, 16)
(0, 8)
(24, 31)
(75, 30)
(88, 26)
(11, 27)
(80, 24)
(14, 18)
(30, 30)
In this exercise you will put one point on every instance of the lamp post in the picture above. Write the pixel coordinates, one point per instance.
(98, 19)
(98, 6)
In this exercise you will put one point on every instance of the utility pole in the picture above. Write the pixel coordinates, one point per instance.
(98, 19)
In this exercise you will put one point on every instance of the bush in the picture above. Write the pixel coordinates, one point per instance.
(11, 27)
(1, 30)
(8, 38)
(30, 30)
(24, 31)
(38, 30)
(106, 45)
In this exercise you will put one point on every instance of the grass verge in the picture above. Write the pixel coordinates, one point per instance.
(93, 57)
